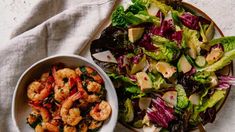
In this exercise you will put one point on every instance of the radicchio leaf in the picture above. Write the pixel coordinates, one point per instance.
(190, 20)
(165, 30)
(177, 36)
(147, 43)
(160, 113)
(204, 20)
(137, 58)
(226, 81)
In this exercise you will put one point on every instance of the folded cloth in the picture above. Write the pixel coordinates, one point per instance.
(53, 27)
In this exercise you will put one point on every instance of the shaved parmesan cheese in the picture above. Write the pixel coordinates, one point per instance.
(105, 56)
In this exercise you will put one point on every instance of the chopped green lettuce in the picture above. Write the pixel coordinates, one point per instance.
(215, 98)
(175, 18)
(202, 33)
(191, 39)
(141, 17)
(135, 91)
(202, 77)
(157, 80)
(211, 102)
(134, 15)
(166, 49)
(121, 78)
(182, 99)
(119, 17)
(163, 7)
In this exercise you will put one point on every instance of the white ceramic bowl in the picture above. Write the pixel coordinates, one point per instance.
(20, 108)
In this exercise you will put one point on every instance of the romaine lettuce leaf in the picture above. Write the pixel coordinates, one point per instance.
(157, 80)
(163, 7)
(121, 78)
(134, 15)
(227, 42)
(211, 102)
(135, 91)
(119, 17)
(166, 49)
(182, 99)
(191, 39)
(215, 98)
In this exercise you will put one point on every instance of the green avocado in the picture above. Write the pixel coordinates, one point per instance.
(183, 65)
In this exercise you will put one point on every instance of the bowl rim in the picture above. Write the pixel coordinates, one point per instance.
(53, 57)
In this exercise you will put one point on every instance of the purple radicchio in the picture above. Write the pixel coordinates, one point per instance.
(136, 59)
(165, 30)
(226, 81)
(190, 20)
(177, 36)
(160, 15)
(123, 62)
(146, 42)
(203, 20)
(160, 113)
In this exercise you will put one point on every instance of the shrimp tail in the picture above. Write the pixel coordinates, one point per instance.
(76, 96)
(80, 88)
(56, 78)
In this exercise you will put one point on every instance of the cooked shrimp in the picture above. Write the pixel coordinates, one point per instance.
(69, 128)
(46, 126)
(80, 89)
(78, 71)
(43, 112)
(101, 111)
(92, 73)
(84, 95)
(62, 74)
(70, 116)
(93, 98)
(37, 91)
(33, 117)
(83, 127)
(95, 124)
(61, 93)
(93, 87)
(44, 76)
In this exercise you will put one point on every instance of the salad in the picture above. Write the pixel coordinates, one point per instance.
(165, 64)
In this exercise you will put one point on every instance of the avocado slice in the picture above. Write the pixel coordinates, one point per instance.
(144, 81)
(139, 66)
(165, 69)
(135, 33)
(129, 111)
(183, 65)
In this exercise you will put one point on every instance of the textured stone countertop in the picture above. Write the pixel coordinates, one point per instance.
(221, 11)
